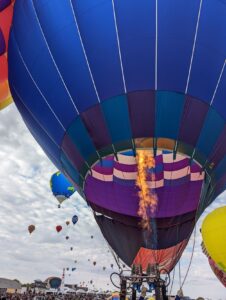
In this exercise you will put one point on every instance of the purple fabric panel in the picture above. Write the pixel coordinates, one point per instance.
(172, 201)
(156, 176)
(106, 161)
(103, 170)
(219, 149)
(4, 4)
(96, 126)
(135, 221)
(159, 159)
(2, 43)
(125, 168)
(105, 166)
(142, 113)
(176, 182)
(192, 120)
(195, 168)
(176, 165)
(71, 151)
(124, 182)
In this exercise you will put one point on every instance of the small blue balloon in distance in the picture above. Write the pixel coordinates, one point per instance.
(73, 269)
(74, 219)
(61, 187)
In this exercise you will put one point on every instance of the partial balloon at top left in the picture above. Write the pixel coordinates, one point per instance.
(6, 14)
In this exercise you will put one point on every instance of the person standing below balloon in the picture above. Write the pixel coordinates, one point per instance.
(143, 293)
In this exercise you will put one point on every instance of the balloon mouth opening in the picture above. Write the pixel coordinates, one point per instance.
(122, 175)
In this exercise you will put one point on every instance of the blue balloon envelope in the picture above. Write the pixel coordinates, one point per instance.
(98, 81)
(61, 187)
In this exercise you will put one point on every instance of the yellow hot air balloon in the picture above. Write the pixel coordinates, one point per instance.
(214, 236)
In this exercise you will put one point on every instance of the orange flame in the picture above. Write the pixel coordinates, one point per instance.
(147, 197)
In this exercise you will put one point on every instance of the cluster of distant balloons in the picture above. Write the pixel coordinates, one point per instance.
(62, 190)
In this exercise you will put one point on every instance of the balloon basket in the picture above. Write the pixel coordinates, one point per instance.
(136, 282)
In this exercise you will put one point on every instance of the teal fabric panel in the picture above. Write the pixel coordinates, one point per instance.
(117, 118)
(212, 128)
(81, 138)
(169, 108)
(72, 172)
(220, 170)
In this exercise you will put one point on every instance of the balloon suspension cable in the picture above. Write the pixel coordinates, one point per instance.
(171, 288)
(195, 232)
(179, 273)
(191, 258)
(116, 258)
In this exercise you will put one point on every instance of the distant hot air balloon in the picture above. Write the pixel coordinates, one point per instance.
(71, 248)
(67, 223)
(31, 228)
(104, 268)
(73, 269)
(91, 281)
(75, 261)
(88, 259)
(74, 219)
(6, 14)
(58, 228)
(61, 187)
(91, 236)
(213, 234)
(67, 237)
(67, 269)
(94, 263)
(102, 99)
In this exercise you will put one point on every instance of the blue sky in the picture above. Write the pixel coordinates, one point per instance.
(26, 199)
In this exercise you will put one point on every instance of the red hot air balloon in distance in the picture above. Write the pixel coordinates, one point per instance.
(58, 228)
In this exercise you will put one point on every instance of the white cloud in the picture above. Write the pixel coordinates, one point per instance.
(26, 199)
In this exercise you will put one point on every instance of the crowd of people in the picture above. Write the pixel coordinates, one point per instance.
(32, 296)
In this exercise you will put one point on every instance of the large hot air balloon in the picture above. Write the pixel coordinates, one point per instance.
(213, 234)
(220, 274)
(6, 14)
(97, 83)
(61, 187)
(31, 228)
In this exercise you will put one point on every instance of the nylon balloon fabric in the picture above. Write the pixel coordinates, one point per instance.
(61, 187)
(6, 14)
(221, 275)
(213, 234)
(97, 82)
